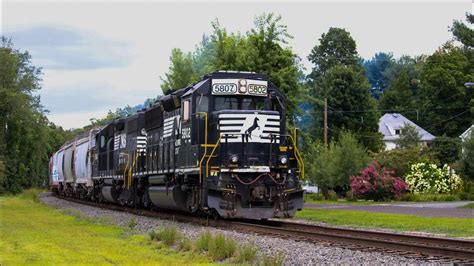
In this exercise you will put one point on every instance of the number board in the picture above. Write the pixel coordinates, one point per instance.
(231, 87)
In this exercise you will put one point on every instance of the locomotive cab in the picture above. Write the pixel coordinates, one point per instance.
(249, 165)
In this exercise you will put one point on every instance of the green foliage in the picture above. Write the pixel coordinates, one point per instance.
(462, 32)
(222, 247)
(168, 235)
(468, 206)
(446, 149)
(400, 160)
(27, 138)
(330, 168)
(447, 102)
(203, 241)
(467, 162)
(336, 47)
(247, 253)
(375, 69)
(338, 76)
(409, 137)
(431, 197)
(132, 223)
(260, 50)
(399, 95)
(184, 244)
(428, 178)
(276, 260)
(181, 72)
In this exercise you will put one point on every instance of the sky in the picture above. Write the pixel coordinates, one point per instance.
(102, 55)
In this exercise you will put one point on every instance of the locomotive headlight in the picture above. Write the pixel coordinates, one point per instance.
(283, 159)
(234, 159)
(242, 86)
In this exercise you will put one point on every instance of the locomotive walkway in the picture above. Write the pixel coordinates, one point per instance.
(427, 209)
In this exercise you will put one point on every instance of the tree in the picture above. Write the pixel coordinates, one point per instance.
(374, 70)
(464, 33)
(331, 167)
(350, 105)
(445, 101)
(181, 72)
(336, 47)
(399, 95)
(467, 163)
(27, 138)
(409, 137)
(447, 149)
(261, 50)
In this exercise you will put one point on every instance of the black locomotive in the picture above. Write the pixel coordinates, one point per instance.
(218, 147)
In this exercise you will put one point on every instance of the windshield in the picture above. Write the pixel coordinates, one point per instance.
(239, 103)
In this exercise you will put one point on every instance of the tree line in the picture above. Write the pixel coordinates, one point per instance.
(428, 89)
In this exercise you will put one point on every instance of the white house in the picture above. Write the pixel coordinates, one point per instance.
(390, 126)
(466, 134)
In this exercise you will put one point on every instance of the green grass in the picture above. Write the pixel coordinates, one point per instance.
(459, 227)
(33, 234)
(468, 206)
(318, 199)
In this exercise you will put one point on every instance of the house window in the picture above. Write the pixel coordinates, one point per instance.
(397, 131)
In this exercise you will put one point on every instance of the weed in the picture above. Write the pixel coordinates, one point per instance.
(273, 261)
(203, 241)
(185, 244)
(168, 235)
(132, 223)
(153, 235)
(32, 194)
(222, 247)
(247, 253)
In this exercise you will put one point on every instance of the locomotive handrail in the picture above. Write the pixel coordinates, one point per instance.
(298, 157)
(205, 147)
(212, 153)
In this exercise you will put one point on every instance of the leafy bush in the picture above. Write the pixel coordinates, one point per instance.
(428, 178)
(203, 241)
(467, 161)
(446, 149)
(330, 168)
(400, 160)
(377, 183)
(222, 247)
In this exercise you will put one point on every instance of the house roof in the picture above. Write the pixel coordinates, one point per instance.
(467, 133)
(388, 123)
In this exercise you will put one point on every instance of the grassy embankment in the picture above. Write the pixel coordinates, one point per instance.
(32, 233)
(468, 206)
(457, 227)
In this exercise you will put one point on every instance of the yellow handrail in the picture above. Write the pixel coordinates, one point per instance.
(131, 169)
(212, 153)
(205, 147)
(299, 159)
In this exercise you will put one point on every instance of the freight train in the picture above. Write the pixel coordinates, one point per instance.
(219, 147)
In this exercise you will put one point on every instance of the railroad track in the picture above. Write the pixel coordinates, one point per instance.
(426, 247)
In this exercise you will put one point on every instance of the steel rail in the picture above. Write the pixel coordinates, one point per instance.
(460, 250)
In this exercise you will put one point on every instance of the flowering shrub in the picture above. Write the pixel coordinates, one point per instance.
(377, 183)
(428, 178)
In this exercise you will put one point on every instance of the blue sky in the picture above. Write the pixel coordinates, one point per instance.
(98, 56)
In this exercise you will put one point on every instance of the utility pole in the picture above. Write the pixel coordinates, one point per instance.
(326, 122)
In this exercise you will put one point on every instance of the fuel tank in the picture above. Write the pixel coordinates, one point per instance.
(172, 198)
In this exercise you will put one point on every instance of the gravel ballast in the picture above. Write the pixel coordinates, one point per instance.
(296, 253)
